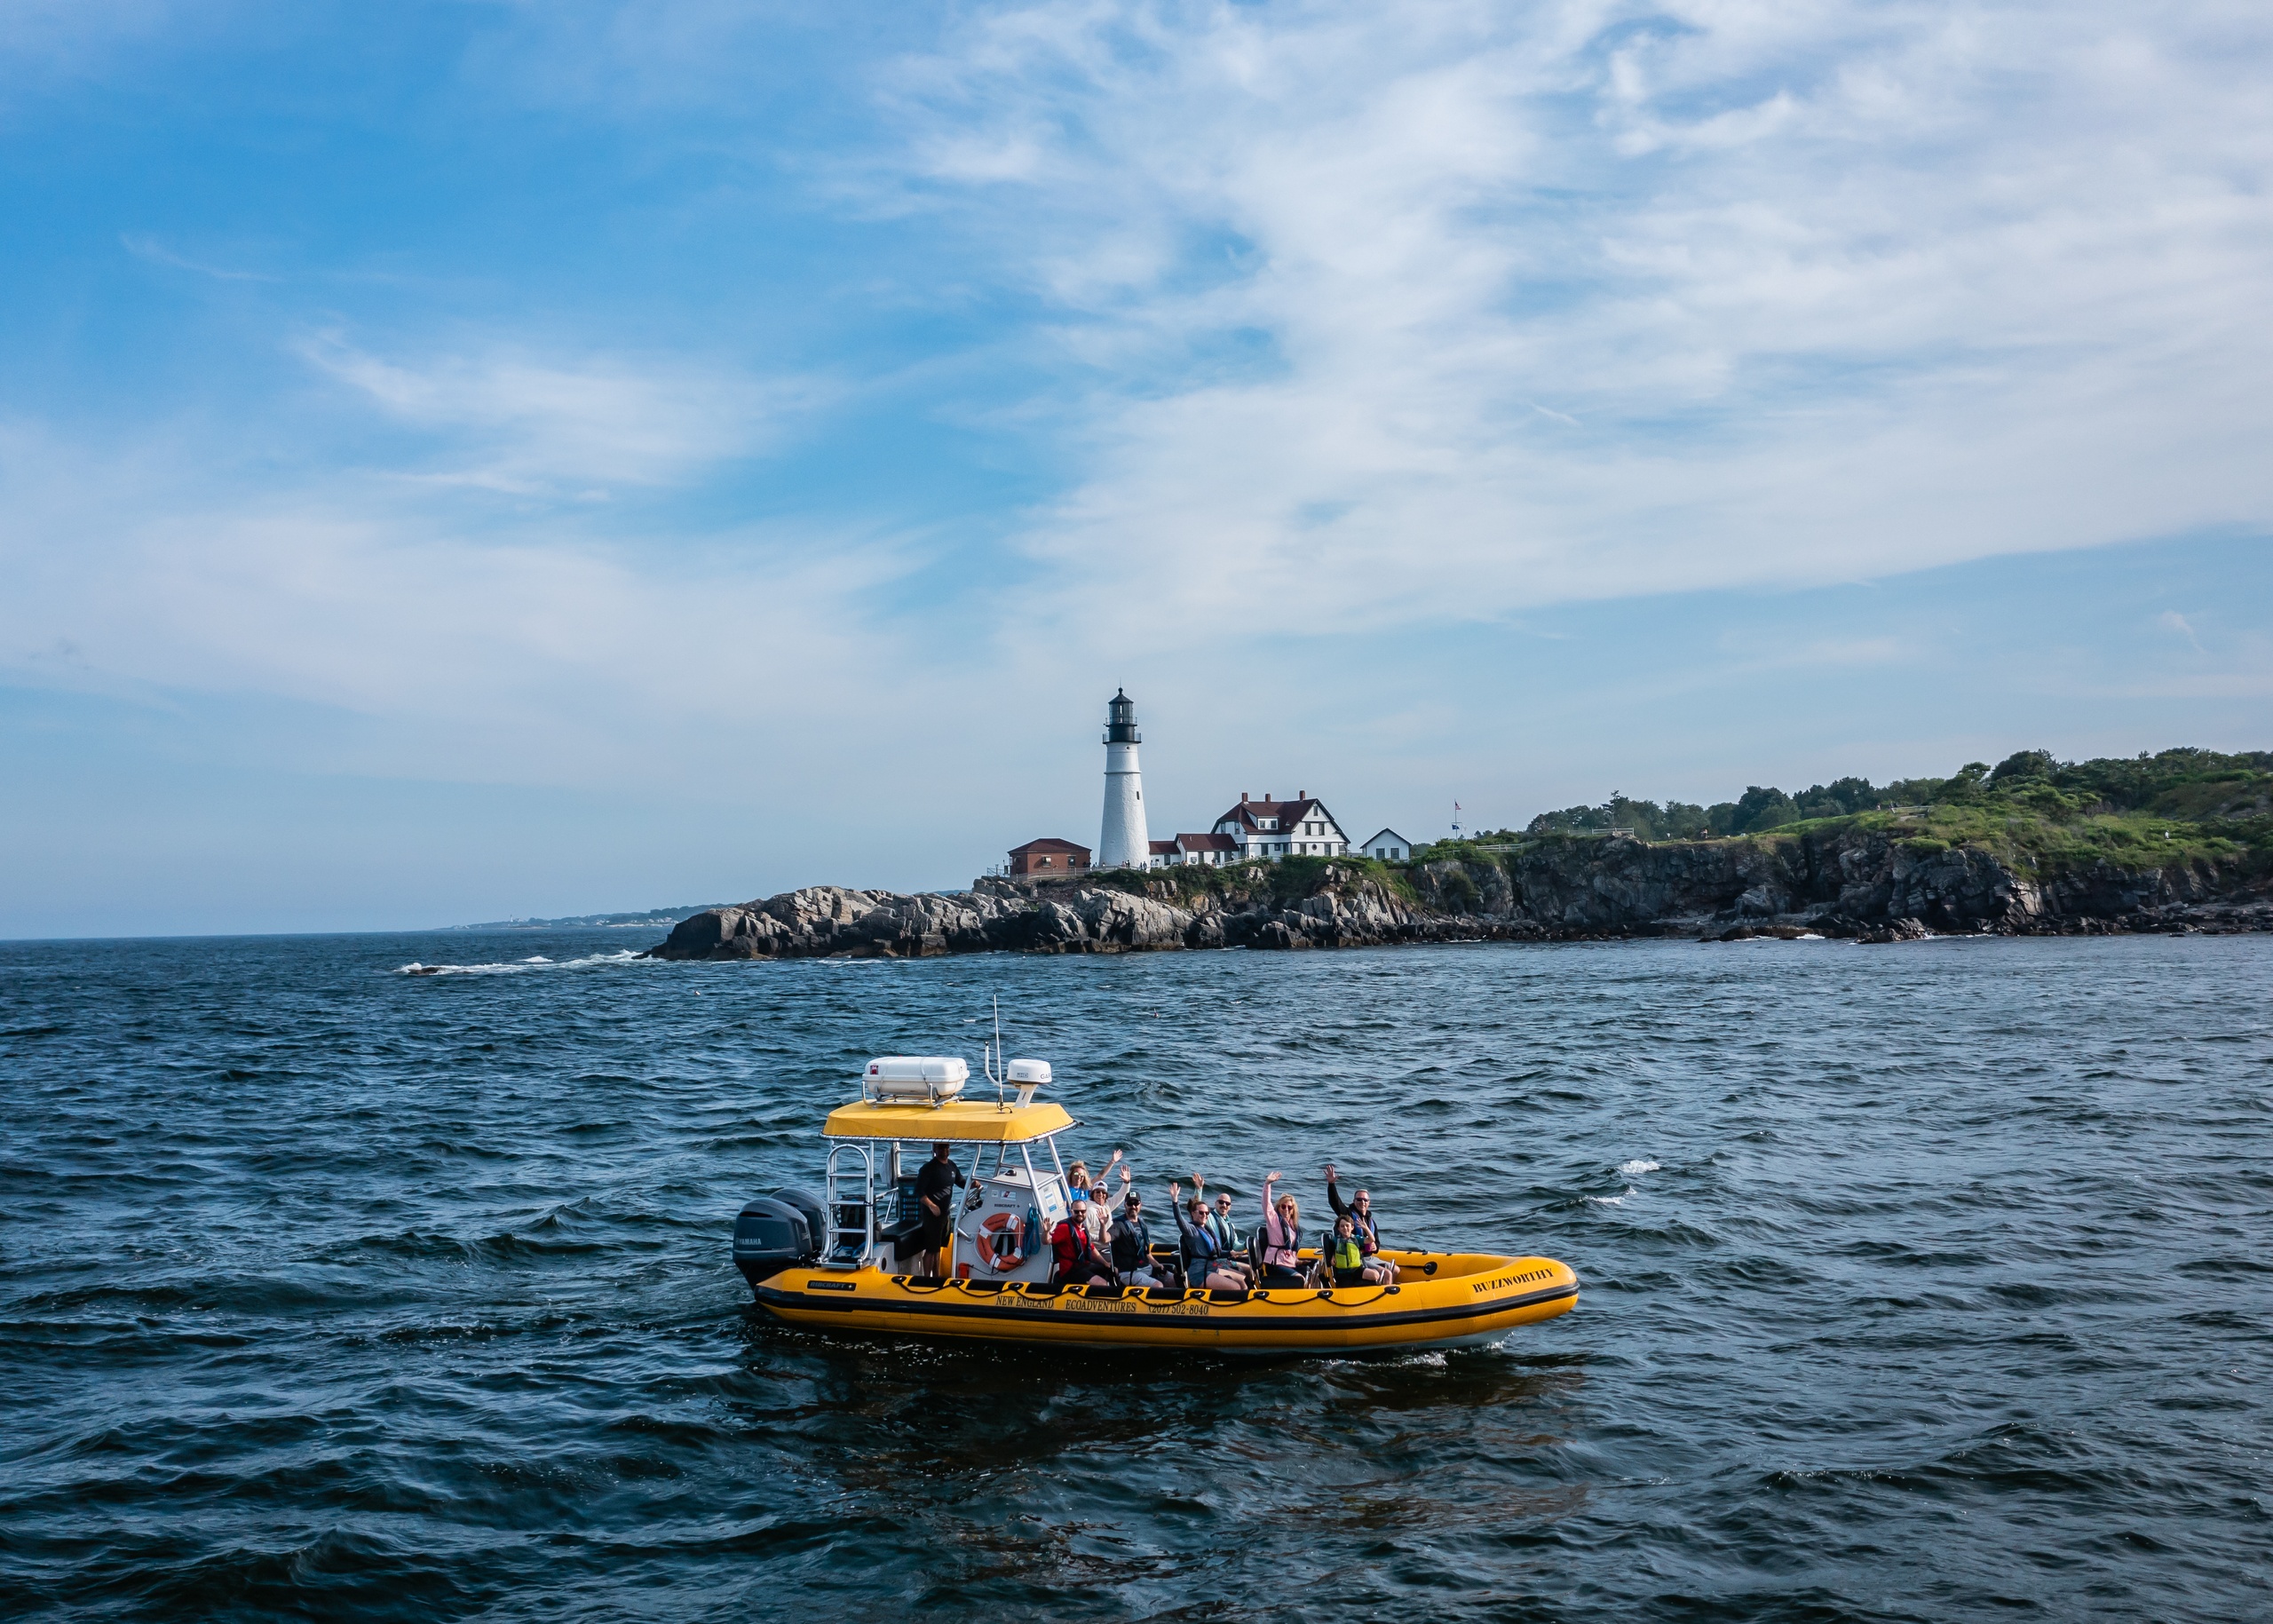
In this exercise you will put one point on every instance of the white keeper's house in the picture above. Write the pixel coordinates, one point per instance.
(1390, 846)
(1269, 829)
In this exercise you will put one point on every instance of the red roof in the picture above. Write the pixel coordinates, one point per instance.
(1288, 814)
(1048, 843)
(1202, 843)
(1161, 848)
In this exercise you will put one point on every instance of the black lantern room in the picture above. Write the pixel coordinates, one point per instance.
(1120, 720)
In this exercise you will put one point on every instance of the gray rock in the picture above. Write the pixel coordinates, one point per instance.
(1859, 884)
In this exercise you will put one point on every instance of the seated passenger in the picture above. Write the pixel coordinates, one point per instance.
(1231, 1245)
(1078, 1260)
(1379, 1269)
(1132, 1243)
(1343, 1255)
(1280, 1238)
(1207, 1262)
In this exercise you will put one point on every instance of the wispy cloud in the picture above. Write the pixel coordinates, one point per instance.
(1818, 293)
(158, 253)
(527, 426)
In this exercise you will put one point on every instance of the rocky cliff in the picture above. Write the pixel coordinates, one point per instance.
(1868, 885)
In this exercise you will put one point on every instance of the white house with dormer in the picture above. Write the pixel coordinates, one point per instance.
(1269, 829)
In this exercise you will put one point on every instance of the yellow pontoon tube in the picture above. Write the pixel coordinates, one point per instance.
(997, 1286)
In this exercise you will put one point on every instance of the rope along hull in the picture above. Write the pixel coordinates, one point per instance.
(1445, 1300)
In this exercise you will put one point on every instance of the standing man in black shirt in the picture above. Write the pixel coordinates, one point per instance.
(933, 1182)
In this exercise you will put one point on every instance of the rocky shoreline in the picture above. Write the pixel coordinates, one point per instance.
(1860, 884)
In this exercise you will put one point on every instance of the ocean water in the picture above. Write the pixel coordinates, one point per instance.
(1927, 1281)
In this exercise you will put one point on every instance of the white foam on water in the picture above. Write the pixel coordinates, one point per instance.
(1635, 1169)
(629, 955)
(1610, 1200)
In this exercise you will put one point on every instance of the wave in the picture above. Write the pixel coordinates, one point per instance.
(519, 967)
(1635, 1169)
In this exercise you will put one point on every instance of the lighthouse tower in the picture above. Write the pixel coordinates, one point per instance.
(1122, 844)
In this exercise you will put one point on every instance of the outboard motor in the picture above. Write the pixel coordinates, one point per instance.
(816, 1213)
(770, 1236)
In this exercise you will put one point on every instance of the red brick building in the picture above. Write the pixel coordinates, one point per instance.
(1049, 855)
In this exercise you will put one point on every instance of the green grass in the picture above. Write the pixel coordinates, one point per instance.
(2049, 831)
(2037, 827)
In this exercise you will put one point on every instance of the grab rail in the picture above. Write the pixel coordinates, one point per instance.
(851, 1242)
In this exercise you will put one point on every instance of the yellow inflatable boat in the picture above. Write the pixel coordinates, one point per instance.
(839, 1261)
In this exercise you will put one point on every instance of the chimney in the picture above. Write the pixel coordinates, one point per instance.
(1302, 795)
(1243, 798)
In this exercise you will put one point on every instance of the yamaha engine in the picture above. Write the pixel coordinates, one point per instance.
(776, 1231)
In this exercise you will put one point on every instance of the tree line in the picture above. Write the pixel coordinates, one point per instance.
(2114, 783)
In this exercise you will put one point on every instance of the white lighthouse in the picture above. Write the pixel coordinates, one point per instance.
(1122, 844)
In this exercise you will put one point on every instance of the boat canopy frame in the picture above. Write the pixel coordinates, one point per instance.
(856, 1130)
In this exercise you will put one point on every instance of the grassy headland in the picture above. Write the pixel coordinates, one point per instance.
(2030, 811)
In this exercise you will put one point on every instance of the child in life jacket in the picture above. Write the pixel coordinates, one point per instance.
(1344, 1256)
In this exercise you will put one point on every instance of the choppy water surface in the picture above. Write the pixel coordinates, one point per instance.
(1921, 1282)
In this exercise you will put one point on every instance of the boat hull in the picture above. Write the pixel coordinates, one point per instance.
(1443, 1301)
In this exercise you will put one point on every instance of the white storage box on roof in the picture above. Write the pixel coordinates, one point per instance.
(916, 1076)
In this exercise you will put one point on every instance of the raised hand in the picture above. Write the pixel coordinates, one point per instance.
(1274, 1177)
(1198, 1183)
(1329, 1172)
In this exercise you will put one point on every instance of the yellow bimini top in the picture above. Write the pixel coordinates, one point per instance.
(957, 1122)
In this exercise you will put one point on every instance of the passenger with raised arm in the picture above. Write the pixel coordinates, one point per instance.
(1280, 1237)
(1078, 1258)
(1102, 1209)
(1228, 1242)
(1379, 1269)
(1207, 1260)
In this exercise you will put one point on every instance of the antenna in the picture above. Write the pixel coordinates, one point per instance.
(999, 1068)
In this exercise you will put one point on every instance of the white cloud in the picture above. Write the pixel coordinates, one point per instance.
(148, 248)
(1815, 292)
(527, 426)
(2171, 620)
(534, 654)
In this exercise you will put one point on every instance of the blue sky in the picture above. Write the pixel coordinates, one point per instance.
(469, 459)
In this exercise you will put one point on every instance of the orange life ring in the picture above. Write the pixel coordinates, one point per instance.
(996, 1241)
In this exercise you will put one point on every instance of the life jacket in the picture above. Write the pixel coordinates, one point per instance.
(1076, 1249)
(1221, 1236)
(1345, 1253)
(1368, 1233)
(1281, 1240)
(1132, 1243)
